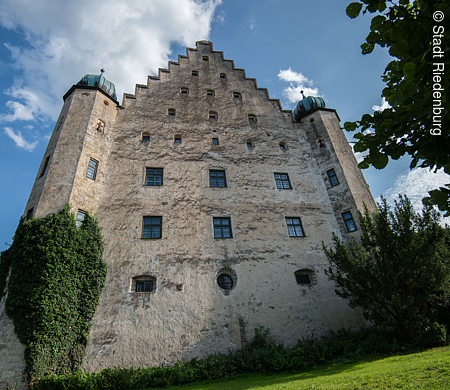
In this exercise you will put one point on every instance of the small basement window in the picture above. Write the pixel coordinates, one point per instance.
(145, 137)
(252, 118)
(305, 277)
(237, 95)
(209, 92)
(177, 139)
(212, 115)
(171, 112)
(184, 91)
(223, 76)
(143, 284)
(205, 58)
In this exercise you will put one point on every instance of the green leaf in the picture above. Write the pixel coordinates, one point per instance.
(377, 21)
(350, 126)
(409, 68)
(381, 6)
(358, 147)
(353, 10)
(399, 49)
(379, 160)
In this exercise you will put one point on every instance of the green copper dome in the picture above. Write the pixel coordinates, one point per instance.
(307, 105)
(99, 81)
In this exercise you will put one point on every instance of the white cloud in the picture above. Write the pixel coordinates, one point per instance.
(384, 105)
(415, 184)
(252, 24)
(19, 140)
(66, 40)
(298, 82)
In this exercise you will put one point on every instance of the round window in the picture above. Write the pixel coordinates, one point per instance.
(225, 282)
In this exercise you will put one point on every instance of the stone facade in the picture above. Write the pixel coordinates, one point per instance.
(199, 116)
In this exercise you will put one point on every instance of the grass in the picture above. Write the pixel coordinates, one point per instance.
(425, 370)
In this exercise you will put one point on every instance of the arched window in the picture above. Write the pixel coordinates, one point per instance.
(305, 277)
(143, 284)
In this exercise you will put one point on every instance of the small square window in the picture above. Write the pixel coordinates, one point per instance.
(349, 222)
(144, 285)
(237, 95)
(171, 112)
(213, 115)
(80, 217)
(184, 91)
(92, 169)
(283, 146)
(153, 176)
(223, 76)
(252, 118)
(209, 92)
(217, 178)
(151, 227)
(215, 141)
(332, 177)
(44, 168)
(222, 228)
(145, 137)
(303, 278)
(249, 143)
(177, 139)
(205, 58)
(194, 73)
(294, 226)
(282, 181)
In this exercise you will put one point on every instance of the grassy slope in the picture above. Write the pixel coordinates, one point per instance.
(425, 370)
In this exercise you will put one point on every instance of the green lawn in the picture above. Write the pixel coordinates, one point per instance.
(425, 370)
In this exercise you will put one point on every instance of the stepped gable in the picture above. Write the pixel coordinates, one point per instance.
(162, 72)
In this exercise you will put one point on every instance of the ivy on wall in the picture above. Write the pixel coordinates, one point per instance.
(57, 275)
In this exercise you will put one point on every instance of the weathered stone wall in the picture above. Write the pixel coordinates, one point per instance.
(188, 314)
(12, 360)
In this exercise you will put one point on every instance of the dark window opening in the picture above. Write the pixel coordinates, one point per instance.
(332, 177)
(252, 118)
(225, 282)
(171, 112)
(215, 141)
(177, 139)
(29, 214)
(209, 92)
(249, 143)
(283, 146)
(194, 73)
(154, 176)
(145, 137)
(92, 169)
(303, 278)
(222, 228)
(144, 285)
(223, 76)
(212, 115)
(294, 226)
(151, 227)
(217, 178)
(44, 168)
(237, 95)
(282, 181)
(184, 91)
(349, 222)
(205, 58)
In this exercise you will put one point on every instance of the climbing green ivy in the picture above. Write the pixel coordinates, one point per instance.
(57, 275)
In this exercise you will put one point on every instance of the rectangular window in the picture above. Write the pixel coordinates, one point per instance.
(333, 178)
(80, 217)
(44, 168)
(151, 227)
(153, 176)
(294, 226)
(222, 228)
(217, 178)
(144, 285)
(215, 141)
(282, 180)
(349, 222)
(92, 169)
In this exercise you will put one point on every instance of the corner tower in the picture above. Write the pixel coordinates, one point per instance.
(72, 170)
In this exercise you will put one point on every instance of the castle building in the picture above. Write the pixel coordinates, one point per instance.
(214, 202)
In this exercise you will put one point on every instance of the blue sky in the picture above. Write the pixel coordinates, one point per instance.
(287, 45)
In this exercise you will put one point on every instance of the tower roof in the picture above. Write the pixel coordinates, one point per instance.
(99, 81)
(307, 105)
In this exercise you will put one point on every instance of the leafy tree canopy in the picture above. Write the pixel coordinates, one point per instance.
(399, 273)
(417, 123)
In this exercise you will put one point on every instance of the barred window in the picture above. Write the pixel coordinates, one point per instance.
(144, 285)
(154, 176)
(294, 226)
(349, 222)
(302, 277)
(222, 228)
(225, 282)
(151, 227)
(92, 169)
(217, 178)
(332, 177)
(282, 181)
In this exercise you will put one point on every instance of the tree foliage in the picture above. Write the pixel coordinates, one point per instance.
(399, 272)
(417, 123)
(56, 276)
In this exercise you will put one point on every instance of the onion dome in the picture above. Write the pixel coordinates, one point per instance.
(99, 81)
(307, 105)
